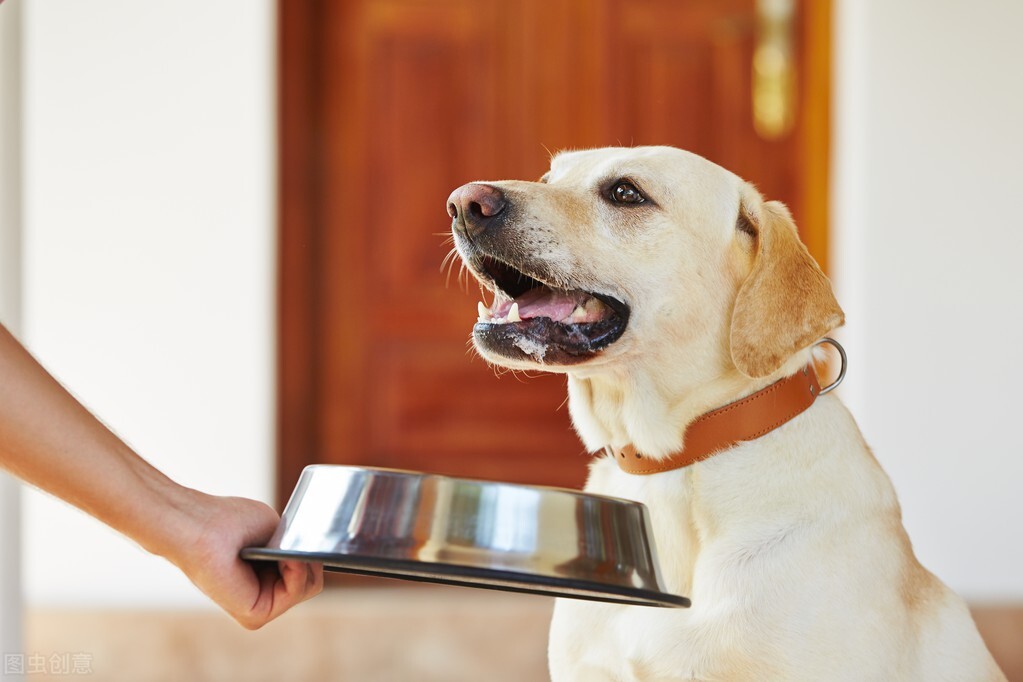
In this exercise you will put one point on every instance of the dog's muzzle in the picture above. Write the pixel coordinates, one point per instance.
(536, 315)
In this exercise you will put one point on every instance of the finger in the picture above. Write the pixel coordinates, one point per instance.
(271, 580)
(314, 581)
(312, 585)
(290, 588)
(261, 611)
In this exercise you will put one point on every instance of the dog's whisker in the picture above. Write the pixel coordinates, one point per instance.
(463, 276)
(502, 371)
(448, 258)
(521, 376)
(448, 264)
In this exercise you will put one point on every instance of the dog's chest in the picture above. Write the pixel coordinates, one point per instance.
(639, 644)
(633, 642)
(647, 643)
(668, 499)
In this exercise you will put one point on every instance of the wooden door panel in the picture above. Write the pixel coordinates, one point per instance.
(418, 84)
(681, 75)
(388, 105)
(455, 416)
(670, 115)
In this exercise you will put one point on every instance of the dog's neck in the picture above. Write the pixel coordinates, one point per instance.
(651, 410)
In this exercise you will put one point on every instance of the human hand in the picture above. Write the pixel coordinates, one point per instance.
(252, 594)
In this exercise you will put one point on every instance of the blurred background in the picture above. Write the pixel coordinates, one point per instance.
(222, 226)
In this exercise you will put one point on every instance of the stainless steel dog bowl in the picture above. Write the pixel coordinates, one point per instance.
(501, 536)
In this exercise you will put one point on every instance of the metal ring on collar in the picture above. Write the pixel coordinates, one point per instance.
(841, 372)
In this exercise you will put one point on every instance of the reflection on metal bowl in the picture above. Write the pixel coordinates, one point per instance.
(503, 536)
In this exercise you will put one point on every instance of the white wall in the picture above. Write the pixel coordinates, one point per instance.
(148, 258)
(10, 305)
(929, 237)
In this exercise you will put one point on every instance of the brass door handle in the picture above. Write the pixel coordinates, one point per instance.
(774, 71)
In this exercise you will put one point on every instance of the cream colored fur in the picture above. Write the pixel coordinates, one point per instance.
(791, 546)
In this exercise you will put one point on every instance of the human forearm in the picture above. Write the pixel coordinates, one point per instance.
(50, 440)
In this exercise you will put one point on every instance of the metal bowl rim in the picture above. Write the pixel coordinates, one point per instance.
(407, 473)
(464, 575)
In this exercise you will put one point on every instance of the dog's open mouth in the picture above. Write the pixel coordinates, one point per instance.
(532, 319)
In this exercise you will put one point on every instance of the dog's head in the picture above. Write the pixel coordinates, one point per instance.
(619, 254)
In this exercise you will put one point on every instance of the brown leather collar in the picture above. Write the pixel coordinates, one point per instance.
(745, 419)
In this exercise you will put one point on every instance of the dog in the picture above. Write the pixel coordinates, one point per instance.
(667, 289)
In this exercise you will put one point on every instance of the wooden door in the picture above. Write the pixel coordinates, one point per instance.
(388, 105)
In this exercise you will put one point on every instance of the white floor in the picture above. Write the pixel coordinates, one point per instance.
(421, 634)
(386, 634)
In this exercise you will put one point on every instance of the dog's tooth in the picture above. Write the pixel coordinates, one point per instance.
(484, 312)
(578, 313)
(513, 313)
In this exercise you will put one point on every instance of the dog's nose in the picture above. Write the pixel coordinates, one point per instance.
(475, 206)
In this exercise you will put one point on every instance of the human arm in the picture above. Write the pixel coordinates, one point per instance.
(48, 439)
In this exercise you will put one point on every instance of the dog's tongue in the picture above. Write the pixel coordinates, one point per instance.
(557, 305)
(553, 304)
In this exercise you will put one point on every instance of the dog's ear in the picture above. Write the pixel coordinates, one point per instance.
(786, 302)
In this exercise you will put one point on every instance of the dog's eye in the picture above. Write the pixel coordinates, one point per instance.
(626, 193)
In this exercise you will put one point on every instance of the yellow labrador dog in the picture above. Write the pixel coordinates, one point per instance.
(665, 287)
